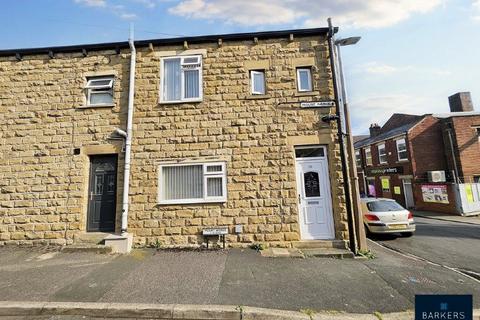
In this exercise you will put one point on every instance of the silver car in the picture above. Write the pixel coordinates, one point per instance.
(382, 215)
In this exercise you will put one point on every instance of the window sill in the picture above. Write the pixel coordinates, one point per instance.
(190, 201)
(181, 101)
(258, 96)
(89, 106)
(402, 161)
(306, 93)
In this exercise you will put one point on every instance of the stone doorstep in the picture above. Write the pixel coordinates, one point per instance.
(176, 311)
(328, 253)
(97, 248)
(315, 244)
(90, 237)
(282, 253)
(302, 253)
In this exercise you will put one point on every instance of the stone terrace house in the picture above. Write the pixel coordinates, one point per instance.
(219, 139)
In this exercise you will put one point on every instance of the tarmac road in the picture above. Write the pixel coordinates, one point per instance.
(453, 244)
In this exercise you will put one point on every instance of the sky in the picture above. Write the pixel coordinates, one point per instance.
(413, 54)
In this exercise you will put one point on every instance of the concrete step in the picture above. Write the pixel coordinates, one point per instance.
(328, 253)
(90, 237)
(314, 244)
(97, 248)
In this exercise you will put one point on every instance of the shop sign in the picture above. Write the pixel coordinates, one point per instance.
(383, 171)
(435, 193)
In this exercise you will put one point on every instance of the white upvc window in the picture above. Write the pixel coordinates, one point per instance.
(99, 91)
(304, 79)
(402, 150)
(382, 153)
(192, 183)
(368, 156)
(358, 158)
(257, 81)
(181, 79)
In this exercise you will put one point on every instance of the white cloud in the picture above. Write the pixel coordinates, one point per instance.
(354, 13)
(238, 12)
(379, 108)
(476, 10)
(379, 68)
(119, 10)
(92, 3)
(147, 3)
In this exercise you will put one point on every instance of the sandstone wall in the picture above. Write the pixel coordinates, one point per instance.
(44, 185)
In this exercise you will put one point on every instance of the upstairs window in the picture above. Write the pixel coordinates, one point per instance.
(192, 183)
(99, 91)
(368, 156)
(304, 79)
(257, 80)
(181, 79)
(382, 153)
(402, 150)
(358, 158)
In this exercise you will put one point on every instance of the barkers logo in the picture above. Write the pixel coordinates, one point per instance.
(443, 307)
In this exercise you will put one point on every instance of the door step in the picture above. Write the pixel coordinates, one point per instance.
(328, 253)
(320, 244)
(98, 248)
(90, 238)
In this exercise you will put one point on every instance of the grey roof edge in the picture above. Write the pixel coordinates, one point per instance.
(398, 131)
(168, 41)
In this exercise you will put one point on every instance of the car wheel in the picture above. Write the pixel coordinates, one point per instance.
(406, 234)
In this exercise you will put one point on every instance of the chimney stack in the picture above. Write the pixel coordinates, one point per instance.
(374, 130)
(460, 102)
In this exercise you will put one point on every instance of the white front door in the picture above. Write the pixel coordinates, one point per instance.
(315, 202)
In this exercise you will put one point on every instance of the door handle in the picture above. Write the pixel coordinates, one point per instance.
(91, 195)
(299, 199)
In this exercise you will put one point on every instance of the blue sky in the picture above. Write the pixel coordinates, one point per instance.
(412, 56)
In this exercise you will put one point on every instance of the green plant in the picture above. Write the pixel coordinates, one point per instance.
(367, 254)
(156, 245)
(308, 312)
(378, 315)
(258, 246)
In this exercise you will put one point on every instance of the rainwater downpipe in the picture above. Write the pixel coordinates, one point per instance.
(457, 177)
(128, 139)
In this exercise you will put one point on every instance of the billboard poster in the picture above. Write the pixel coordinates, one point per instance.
(435, 193)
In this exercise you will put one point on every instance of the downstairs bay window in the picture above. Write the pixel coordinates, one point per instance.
(192, 183)
(181, 79)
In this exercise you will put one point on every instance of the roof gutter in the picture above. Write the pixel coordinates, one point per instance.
(128, 139)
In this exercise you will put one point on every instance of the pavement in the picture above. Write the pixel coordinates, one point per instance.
(233, 277)
(473, 219)
(448, 243)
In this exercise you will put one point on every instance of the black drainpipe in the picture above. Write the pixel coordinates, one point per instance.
(346, 184)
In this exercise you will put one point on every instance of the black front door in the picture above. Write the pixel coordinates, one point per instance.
(102, 193)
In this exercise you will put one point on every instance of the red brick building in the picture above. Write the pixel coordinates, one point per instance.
(419, 160)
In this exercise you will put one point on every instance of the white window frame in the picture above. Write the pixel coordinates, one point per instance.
(382, 146)
(182, 79)
(369, 157)
(398, 142)
(299, 87)
(206, 175)
(358, 158)
(252, 84)
(91, 88)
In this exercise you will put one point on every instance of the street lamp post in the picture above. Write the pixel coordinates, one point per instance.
(351, 194)
(360, 234)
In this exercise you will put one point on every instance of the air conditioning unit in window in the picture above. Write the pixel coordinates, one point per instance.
(436, 176)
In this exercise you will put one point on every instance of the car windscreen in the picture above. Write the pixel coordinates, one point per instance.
(383, 205)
